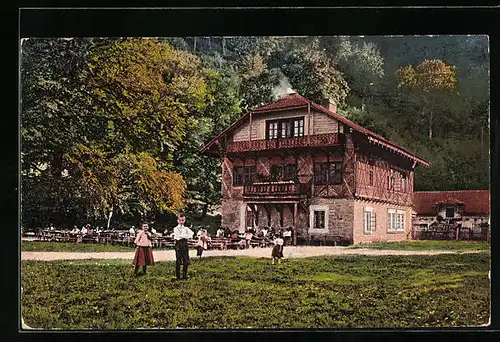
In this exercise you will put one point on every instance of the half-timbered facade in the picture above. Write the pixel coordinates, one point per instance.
(296, 163)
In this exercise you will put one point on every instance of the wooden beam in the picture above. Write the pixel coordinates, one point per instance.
(295, 212)
(309, 123)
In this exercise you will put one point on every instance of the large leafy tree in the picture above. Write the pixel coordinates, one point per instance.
(202, 173)
(427, 85)
(106, 120)
(55, 115)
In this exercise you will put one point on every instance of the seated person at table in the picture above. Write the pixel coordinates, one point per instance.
(131, 231)
(220, 233)
(287, 236)
(84, 230)
(248, 237)
(75, 230)
(153, 231)
(264, 231)
(235, 235)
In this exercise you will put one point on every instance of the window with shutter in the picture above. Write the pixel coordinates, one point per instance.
(368, 220)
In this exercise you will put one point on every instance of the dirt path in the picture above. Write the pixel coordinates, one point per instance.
(289, 252)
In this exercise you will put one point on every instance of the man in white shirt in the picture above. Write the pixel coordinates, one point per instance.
(84, 230)
(181, 235)
(131, 231)
(220, 232)
(264, 232)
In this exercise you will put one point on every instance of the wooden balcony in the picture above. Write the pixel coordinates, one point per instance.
(273, 190)
(318, 140)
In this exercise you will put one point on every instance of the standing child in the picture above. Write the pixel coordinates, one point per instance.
(144, 251)
(181, 235)
(277, 252)
(202, 242)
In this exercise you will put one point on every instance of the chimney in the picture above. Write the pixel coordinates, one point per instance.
(329, 104)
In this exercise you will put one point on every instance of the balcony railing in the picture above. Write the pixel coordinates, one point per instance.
(317, 140)
(275, 189)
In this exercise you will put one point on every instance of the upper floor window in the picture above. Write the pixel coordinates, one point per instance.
(285, 128)
(272, 130)
(328, 173)
(290, 172)
(276, 172)
(243, 175)
(283, 172)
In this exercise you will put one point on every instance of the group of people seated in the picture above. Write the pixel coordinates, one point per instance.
(86, 230)
(257, 234)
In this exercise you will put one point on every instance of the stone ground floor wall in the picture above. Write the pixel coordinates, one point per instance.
(339, 217)
(230, 213)
(344, 219)
(380, 232)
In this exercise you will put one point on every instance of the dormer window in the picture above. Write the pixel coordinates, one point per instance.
(285, 128)
(450, 212)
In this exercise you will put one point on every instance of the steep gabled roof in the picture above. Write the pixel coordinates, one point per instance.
(475, 202)
(295, 101)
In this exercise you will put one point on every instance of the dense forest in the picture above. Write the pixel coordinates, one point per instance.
(111, 128)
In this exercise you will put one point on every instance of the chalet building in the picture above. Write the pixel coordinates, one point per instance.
(296, 163)
(468, 210)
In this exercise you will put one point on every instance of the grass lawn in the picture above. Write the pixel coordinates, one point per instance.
(45, 246)
(420, 245)
(241, 292)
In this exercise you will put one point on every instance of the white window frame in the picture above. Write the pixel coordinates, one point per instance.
(396, 220)
(312, 209)
(368, 228)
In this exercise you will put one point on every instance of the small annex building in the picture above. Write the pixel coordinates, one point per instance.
(467, 210)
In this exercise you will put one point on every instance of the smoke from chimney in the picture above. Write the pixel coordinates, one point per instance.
(283, 88)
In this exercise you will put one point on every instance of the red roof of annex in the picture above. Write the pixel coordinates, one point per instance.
(475, 202)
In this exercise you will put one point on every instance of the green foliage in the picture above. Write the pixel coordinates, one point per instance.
(311, 73)
(319, 292)
(123, 111)
(361, 63)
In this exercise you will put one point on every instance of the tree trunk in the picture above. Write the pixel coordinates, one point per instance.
(57, 164)
(223, 46)
(194, 45)
(430, 125)
(109, 217)
(204, 211)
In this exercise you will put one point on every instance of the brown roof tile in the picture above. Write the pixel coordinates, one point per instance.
(476, 202)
